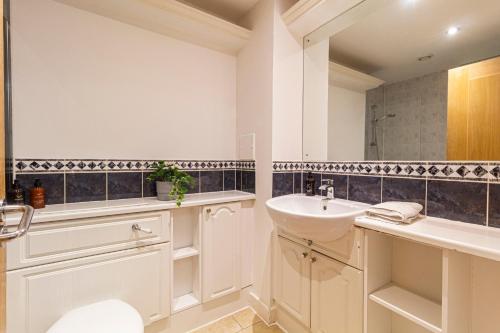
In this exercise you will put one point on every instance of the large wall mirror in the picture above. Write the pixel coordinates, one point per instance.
(404, 80)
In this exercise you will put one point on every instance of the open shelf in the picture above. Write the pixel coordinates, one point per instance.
(413, 307)
(184, 302)
(185, 252)
(186, 260)
(404, 285)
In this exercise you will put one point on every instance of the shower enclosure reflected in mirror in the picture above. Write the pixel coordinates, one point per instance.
(404, 80)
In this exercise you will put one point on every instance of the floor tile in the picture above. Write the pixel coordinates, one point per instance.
(224, 325)
(262, 328)
(246, 318)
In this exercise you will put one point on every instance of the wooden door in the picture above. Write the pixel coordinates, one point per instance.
(336, 296)
(474, 111)
(293, 280)
(221, 272)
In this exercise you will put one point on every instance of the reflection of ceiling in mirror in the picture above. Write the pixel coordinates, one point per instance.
(387, 43)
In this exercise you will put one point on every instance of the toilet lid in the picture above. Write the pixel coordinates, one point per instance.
(111, 316)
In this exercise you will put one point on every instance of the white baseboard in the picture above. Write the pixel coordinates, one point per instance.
(266, 313)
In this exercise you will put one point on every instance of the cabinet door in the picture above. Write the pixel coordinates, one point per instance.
(336, 296)
(221, 250)
(293, 283)
(38, 296)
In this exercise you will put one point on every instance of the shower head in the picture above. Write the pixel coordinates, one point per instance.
(389, 115)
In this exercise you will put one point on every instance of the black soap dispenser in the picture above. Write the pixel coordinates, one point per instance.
(16, 195)
(310, 185)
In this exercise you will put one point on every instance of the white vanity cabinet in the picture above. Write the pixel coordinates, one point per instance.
(221, 272)
(336, 296)
(59, 266)
(293, 280)
(323, 294)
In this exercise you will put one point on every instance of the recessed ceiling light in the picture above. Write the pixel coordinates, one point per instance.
(452, 31)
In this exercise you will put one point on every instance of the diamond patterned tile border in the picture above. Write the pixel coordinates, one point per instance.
(470, 171)
(24, 165)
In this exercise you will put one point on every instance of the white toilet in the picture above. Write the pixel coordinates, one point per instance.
(111, 316)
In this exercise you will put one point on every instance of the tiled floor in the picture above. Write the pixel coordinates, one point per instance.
(245, 321)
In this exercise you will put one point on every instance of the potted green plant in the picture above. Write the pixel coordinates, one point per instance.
(171, 183)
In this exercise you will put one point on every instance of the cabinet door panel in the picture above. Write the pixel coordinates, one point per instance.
(221, 250)
(293, 274)
(38, 296)
(336, 297)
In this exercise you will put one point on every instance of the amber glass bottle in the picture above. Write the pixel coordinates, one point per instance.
(37, 195)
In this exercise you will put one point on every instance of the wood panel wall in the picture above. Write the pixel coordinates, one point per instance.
(474, 111)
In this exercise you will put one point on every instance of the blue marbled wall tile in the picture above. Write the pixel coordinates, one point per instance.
(195, 188)
(211, 181)
(365, 189)
(339, 184)
(52, 183)
(297, 182)
(248, 181)
(317, 182)
(229, 180)
(460, 201)
(88, 186)
(404, 189)
(494, 215)
(282, 183)
(238, 180)
(124, 185)
(148, 188)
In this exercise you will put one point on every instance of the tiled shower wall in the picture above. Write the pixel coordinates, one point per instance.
(70, 181)
(418, 130)
(467, 192)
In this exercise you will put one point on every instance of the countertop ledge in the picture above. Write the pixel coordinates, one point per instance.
(467, 238)
(53, 213)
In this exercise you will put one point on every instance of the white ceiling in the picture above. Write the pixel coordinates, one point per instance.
(387, 43)
(230, 10)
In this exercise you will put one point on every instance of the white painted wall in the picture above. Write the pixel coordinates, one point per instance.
(315, 132)
(255, 108)
(287, 90)
(346, 124)
(90, 87)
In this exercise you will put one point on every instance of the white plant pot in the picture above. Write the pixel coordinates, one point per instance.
(162, 190)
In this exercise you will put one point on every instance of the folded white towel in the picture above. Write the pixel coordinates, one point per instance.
(396, 211)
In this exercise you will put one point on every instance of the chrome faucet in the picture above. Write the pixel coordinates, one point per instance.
(330, 192)
(328, 187)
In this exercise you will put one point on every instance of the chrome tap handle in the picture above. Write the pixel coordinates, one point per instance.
(328, 181)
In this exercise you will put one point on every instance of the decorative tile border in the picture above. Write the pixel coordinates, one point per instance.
(287, 166)
(466, 171)
(25, 165)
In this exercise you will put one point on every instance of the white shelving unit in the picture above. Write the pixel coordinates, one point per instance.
(411, 306)
(403, 285)
(185, 252)
(186, 260)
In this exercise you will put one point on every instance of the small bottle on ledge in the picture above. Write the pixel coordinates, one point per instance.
(310, 185)
(16, 193)
(37, 195)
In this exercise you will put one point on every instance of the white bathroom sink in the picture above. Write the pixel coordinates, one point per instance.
(306, 217)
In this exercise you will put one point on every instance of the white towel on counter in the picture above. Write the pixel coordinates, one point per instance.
(396, 211)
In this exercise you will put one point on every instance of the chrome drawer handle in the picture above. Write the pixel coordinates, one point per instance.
(24, 224)
(137, 227)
